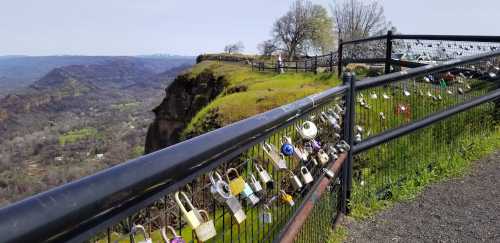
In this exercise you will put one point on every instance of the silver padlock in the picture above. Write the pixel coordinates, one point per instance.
(219, 188)
(252, 200)
(306, 175)
(138, 227)
(323, 157)
(236, 209)
(175, 237)
(255, 184)
(266, 216)
(342, 146)
(295, 181)
(307, 130)
(206, 230)
(264, 176)
(277, 158)
(300, 153)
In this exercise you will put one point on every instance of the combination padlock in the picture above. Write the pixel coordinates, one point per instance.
(236, 209)
(219, 188)
(307, 130)
(266, 216)
(206, 230)
(192, 217)
(306, 175)
(138, 227)
(295, 181)
(236, 182)
(175, 237)
(323, 157)
(287, 147)
(255, 184)
(286, 198)
(277, 158)
(264, 176)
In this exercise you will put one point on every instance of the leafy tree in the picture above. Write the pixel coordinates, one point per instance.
(305, 27)
(234, 48)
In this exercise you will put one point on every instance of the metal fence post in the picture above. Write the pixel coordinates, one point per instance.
(349, 79)
(331, 61)
(388, 52)
(339, 58)
(316, 64)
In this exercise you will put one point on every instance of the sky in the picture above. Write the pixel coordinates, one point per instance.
(192, 27)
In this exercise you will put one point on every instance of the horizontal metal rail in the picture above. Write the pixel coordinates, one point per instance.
(105, 198)
(380, 37)
(401, 131)
(473, 38)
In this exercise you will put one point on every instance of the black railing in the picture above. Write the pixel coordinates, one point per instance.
(395, 107)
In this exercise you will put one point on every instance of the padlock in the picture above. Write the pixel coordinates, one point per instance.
(307, 130)
(306, 175)
(343, 146)
(192, 216)
(236, 182)
(373, 96)
(255, 184)
(219, 188)
(357, 138)
(314, 161)
(301, 154)
(323, 157)
(252, 200)
(385, 96)
(339, 109)
(460, 91)
(206, 230)
(287, 147)
(329, 119)
(334, 114)
(236, 209)
(247, 191)
(139, 227)
(315, 145)
(277, 158)
(295, 181)
(175, 237)
(286, 198)
(266, 216)
(406, 92)
(359, 128)
(264, 176)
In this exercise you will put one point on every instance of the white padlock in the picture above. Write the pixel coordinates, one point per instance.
(255, 184)
(266, 216)
(192, 217)
(306, 175)
(206, 230)
(295, 181)
(219, 188)
(277, 158)
(323, 157)
(264, 176)
(307, 130)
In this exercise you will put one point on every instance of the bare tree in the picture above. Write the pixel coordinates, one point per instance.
(234, 48)
(303, 27)
(358, 18)
(266, 48)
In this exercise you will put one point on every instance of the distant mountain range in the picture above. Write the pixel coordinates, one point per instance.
(17, 72)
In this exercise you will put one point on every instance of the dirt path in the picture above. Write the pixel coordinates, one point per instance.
(459, 210)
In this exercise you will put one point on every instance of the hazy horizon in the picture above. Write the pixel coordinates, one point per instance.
(189, 27)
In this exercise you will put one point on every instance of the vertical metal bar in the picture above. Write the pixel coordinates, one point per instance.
(316, 64)
(348, 78)
(339, 58)
(388, 52)
(331, 62)
(251, 63)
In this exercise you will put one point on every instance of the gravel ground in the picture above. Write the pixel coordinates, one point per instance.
(458, 210)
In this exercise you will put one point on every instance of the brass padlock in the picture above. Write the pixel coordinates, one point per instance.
(236, 182)
(236, 209)
(206, 230)
(323, 157)
(255, 184)
(277, 158)
(286, 198)
(192, 216)
(307, 130)
(175, 237)
(295, 181)
(219, 188)
(264, 176)
(266, 216)
(306, 175)
(138, 227)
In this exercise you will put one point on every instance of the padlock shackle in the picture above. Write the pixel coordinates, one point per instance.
(139, 227)
(267, 147)
(252, 178)
(258, 167)
(211, 177)
(286, 140)
(302, 169)
(180, 204)
(229, 172)
(204, 212)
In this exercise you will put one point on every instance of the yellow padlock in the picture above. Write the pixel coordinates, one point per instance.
(286, 198)
(237, 183)
(192, 216)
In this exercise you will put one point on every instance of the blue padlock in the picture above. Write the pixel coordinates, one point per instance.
(287, 149)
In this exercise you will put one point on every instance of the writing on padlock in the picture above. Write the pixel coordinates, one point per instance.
(236, 182)
(266, 216)
(286, 198)
(138, 227)
(264, 176)
(306, 175)
(294, 180)
(277, 158)
(287, 147)
(307, 130)
(175, 237)
(206, 230)
(219, 188)
(192, 217)
(255, 184)
(323, 157)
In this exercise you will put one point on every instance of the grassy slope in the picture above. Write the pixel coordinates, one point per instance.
(265, 91)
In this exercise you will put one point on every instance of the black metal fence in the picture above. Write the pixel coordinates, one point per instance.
(402, 128)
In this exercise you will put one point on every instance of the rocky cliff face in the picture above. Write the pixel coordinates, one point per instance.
(184, 98)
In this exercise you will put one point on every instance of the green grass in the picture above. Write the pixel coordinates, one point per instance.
(126, 106)
(264, 91)
(77, 135)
